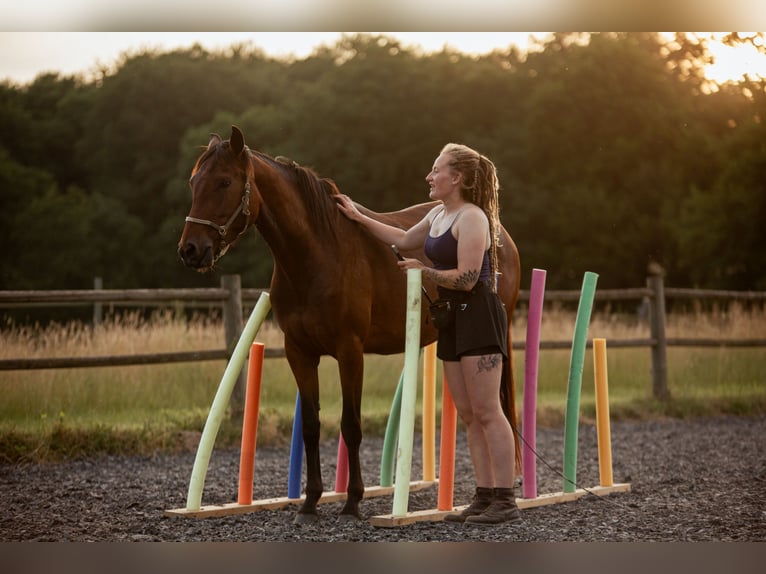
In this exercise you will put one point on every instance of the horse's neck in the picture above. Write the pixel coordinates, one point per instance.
(283, 223)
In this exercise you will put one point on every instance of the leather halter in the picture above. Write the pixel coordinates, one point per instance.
(244, 207)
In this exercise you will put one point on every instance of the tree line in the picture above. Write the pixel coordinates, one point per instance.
(613, 152)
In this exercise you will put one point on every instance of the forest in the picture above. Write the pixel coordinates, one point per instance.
(613, 152)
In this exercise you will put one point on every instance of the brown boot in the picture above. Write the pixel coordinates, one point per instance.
(481, 501)
(502, 509)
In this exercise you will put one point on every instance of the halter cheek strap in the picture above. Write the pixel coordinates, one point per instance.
(244, 207)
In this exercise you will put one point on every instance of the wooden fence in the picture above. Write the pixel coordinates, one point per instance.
(231, 297)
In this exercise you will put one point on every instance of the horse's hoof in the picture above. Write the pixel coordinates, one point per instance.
(349, 518)
(304, 518)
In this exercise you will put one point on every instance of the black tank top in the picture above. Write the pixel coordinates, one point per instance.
(442, 251)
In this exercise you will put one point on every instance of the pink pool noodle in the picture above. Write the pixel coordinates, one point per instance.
(341, 470)
(531, 356)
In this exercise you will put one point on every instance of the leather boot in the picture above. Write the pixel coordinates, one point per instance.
(502, 509)
(481, 501)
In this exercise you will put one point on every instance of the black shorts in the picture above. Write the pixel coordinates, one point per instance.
(480, 326)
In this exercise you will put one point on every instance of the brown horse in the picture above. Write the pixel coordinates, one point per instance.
(335, 289)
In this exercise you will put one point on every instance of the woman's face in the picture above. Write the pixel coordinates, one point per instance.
(442, 180)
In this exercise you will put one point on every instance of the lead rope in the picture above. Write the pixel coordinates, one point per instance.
(569, 480)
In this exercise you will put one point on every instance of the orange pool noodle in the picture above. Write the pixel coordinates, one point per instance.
(447, 450)
(250, 424)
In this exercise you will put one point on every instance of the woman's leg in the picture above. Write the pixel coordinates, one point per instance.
(482, 376)
(493, 436)
(460, 389)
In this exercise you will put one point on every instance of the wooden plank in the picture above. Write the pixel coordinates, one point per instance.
(684, 293)
(567, 344)
(111, 360)
(657, 319)
(558, 497)
(234, 508)
(602, 295)
(274, 353)
(113, 295)
(430, 515)
(681, 342)
(250, 294)
(435, 515)
(123, 360)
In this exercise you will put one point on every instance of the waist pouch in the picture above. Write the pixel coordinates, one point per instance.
(442, 313)
(443, 310)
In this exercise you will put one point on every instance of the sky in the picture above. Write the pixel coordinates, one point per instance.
(24, 55)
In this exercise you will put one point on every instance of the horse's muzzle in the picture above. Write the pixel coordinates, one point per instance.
(195, 255)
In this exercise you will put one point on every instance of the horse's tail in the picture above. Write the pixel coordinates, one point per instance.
(508, 400)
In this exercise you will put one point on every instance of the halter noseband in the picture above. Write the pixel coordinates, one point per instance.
(244, 207)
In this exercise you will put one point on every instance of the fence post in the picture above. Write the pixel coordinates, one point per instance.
(232, 326)
(98, 308)
(657, 329)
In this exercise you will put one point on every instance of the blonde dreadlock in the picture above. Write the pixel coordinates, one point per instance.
(480, 187)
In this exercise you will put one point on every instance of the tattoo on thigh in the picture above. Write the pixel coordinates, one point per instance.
(488, 362)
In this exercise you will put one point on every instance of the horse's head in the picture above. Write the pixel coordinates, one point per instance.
(223, 203)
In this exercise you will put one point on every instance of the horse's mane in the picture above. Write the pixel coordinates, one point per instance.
(317, 192)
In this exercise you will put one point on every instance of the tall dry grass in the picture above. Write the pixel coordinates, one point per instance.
(735, 377)
(165, 399)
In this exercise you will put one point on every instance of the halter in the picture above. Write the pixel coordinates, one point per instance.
(244, 207)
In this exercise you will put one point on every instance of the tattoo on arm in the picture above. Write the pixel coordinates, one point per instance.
(488, 363)
(466, 279)
(462, 282)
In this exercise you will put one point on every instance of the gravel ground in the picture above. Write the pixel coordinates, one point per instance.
(700, 480)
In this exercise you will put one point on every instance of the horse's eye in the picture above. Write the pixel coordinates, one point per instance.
(225, 182)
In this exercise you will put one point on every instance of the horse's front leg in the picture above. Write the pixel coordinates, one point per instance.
(351, 367)
(305, 370)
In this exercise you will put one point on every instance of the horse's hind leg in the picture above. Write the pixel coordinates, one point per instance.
(307, 377)
(351, 366)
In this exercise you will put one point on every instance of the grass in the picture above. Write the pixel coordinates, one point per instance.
(68, 413)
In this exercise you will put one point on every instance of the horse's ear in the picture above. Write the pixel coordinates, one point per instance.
(237, 140)
(215, 139)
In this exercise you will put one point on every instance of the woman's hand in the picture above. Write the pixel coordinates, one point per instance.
(347, 207)
(406, 263)
(389, 234)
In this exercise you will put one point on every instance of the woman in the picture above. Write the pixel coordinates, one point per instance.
(460, 238)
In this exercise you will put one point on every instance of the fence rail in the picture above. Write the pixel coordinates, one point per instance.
(232, 297)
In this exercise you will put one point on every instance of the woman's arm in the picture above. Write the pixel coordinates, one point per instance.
(412, 238)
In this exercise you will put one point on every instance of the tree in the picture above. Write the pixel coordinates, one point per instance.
(599, 161)
(612, 150)
(134, 128)
(721, 226)
(68, 238)
(43, 121)
(20, 185)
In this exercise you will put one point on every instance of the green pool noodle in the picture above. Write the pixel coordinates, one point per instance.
(574, 385)
(221, 401)
(409, 394)
(392, 433)
(389, 440)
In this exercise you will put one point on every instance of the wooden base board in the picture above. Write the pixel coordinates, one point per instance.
(434, 515)
(234, 508)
